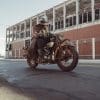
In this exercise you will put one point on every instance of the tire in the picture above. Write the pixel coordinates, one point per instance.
(32, 64)
(73, 64)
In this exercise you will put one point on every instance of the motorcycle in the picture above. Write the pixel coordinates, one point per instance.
(56, 51)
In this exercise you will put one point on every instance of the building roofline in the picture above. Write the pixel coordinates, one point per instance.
(38, 14)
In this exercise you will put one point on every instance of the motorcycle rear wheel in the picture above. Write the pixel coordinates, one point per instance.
(73, 57)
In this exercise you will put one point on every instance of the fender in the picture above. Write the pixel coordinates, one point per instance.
(65, 42)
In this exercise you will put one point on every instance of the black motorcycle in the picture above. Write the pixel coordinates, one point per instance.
(55, 51)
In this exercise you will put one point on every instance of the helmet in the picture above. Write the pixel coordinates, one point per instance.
(42, 21)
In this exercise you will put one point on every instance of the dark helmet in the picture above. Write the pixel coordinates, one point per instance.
(43, 21)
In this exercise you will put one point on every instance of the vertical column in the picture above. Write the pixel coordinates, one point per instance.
(53, 19)
(19, 30)
(45, 15)
(25, 29)
(19, 53)
(6, 36)
(30, 30)
(37, 20)
(30, 27)
(64, 15)
(77, 46)
(93, 48)
(77, 12)
(13, 33)
(15, 53)
(6, 44)
(93, 10)
(9, 35)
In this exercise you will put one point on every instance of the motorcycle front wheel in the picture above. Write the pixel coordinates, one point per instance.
(32, 63)
(67, 58)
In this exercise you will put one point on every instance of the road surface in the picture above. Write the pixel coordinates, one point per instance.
(48, 82)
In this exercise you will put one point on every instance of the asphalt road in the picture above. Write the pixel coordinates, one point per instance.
(48, 82)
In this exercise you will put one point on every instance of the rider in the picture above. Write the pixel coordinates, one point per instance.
(40, 32)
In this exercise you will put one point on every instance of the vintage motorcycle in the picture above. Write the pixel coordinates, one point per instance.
(56, 51)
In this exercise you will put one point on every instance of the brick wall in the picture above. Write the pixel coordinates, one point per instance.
(17, 49)
(83, 33)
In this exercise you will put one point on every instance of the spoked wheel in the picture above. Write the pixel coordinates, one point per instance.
(68, 58)
(32, 63)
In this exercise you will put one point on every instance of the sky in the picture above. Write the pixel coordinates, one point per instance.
(14, 11)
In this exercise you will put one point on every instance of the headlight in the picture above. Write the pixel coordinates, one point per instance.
(50, 44)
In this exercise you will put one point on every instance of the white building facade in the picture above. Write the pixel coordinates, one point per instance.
(78, 20)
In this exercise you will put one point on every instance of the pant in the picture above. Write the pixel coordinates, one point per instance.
(32, 48)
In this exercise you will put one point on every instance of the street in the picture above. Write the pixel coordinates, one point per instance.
(48, 82)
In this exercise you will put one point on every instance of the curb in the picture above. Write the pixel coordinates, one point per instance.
(81, 61)
(13, 60)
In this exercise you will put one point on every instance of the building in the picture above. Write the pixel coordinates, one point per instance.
(78, 20)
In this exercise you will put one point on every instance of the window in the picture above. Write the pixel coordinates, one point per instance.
(22, 27)
(89, 16)
(18, 28)
(49, 14)
(21, 35)
(28, 24)
(10, 35)
(50, 27)
(6, 47)
(84, 17)
(27, 43)
(59, 18)
(14, 36)
(70, 20)
(71, 14)
(74, 20)
(97, 14)
(17, 35)
(56, 25)
(80, 18)
(97, 9)
(27, 33)
(34, 21)
(10, 47)
(71, 9)
(85, 10)
(67, 23)
(62, 24)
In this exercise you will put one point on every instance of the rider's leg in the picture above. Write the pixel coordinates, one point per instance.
(32, 47)
(40, 47)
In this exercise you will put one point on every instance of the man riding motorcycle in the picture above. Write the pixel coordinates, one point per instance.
(40, 32)
(47, 48)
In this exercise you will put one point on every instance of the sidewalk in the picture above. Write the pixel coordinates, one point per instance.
(81, 61)
(10, 92)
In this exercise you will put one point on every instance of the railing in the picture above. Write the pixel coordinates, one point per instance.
(88, 48)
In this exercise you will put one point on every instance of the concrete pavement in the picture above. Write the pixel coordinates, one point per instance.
(81, 61)
(48, 82)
